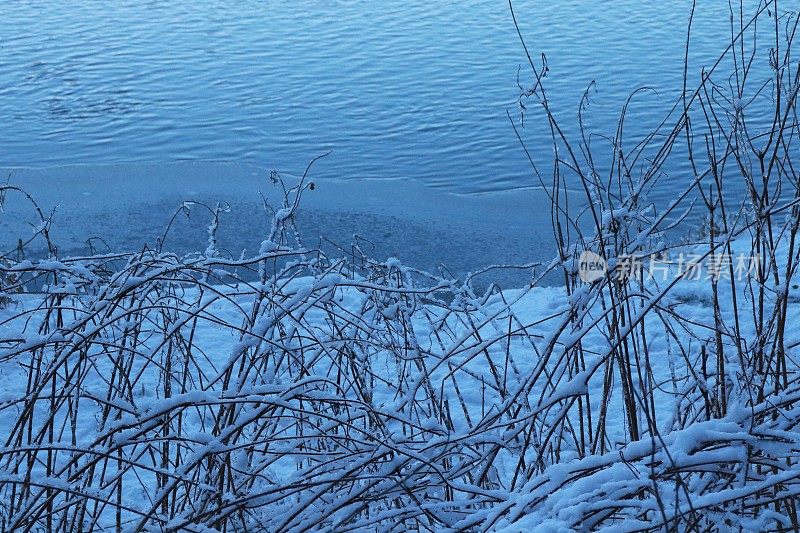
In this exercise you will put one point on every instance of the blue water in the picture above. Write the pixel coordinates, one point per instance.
(414, 89)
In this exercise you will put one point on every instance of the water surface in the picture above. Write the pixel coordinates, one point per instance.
(412, 89)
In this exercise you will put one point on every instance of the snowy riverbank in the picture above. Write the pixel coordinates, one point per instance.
(174, 392)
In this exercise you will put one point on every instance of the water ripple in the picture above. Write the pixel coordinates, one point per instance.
(416, 89)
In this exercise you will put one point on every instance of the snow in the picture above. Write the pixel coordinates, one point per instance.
(321, 385)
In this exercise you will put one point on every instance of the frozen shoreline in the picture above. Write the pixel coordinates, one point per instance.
(400, 218)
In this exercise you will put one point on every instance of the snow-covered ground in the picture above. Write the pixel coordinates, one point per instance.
(165, 392)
